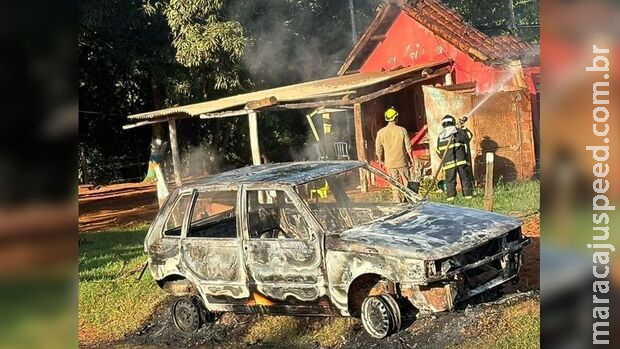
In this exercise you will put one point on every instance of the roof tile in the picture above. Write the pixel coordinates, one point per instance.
(448, 24)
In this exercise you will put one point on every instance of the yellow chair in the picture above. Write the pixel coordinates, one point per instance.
(322, 192)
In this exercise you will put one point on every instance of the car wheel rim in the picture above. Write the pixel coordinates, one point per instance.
(376, 317)
(186, 315)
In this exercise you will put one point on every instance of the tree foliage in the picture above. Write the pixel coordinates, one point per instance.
(494, 17)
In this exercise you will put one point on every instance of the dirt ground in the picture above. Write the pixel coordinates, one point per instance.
(117, 206)
(127, 205)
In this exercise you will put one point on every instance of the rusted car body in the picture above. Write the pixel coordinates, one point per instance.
(319, 238)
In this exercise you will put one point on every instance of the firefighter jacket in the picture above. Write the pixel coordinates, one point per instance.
(455, 143)
(393, 146)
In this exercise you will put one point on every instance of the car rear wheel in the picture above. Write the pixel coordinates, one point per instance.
(187, 314)
(381, 315)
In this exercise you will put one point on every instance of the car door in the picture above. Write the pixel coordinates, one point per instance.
(211, 247)
(283, 252)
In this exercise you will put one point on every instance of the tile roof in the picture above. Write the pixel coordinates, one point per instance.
(445, 23)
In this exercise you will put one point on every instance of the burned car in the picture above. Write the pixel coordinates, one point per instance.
(323, 238)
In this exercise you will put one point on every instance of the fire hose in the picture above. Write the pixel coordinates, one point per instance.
(462, 122)
(443, 159)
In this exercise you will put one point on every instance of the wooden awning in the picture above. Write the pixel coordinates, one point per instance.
(331, 92)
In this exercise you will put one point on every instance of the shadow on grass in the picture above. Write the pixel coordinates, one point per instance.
(103, 254)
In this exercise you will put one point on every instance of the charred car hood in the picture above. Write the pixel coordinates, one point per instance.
(427, 231)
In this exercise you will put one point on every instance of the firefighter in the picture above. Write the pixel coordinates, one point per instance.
(454, 142)
(393, 150)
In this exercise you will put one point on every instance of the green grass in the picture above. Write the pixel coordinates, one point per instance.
(517, 326)
(297, 332)
(514, 199)
(111, 301)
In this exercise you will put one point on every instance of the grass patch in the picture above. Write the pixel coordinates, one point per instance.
(299, 332)
(518, 327)
(514, 199)
(111, 301)
(279, 331)
(331, 333)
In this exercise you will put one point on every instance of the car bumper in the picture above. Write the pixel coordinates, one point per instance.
(440, 293)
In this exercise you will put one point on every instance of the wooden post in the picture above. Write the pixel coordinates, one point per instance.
(253, 123)
(360, 142)
(488, 186)
(174, 147)
(312, 127)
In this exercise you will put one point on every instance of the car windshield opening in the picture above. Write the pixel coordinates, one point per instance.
(349, 199)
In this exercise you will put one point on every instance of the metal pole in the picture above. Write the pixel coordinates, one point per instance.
(513, 21)
(353, 26)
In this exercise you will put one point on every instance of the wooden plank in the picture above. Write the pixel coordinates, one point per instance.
(225, 114)
(465, 86)
(400, 85)
(365, 98)
(488, 186)
(360, 142)
(313, 128)
(174, 147)
(316, 104)
(261, 103)
(253, 124)
(388, 10)
(144, 123)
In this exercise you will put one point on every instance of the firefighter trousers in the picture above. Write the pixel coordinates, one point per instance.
(467, 180)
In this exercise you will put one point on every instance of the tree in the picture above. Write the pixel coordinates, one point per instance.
(205, 44)
(495, 16)
(137, 56)
(141, 55)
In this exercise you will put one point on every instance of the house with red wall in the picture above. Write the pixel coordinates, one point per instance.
(496, 77)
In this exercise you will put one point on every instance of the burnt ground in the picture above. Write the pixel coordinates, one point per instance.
(429, 331)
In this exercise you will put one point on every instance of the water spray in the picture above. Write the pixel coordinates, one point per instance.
(496, 88)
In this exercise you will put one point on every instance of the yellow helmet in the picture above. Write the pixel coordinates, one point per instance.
(390, 114)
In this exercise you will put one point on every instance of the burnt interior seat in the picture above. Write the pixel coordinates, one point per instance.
(220, 226)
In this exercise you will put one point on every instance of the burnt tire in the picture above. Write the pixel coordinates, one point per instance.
(187, 314)
(395, 312)
(377, 317)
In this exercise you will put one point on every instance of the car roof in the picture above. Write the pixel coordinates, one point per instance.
(290, 173)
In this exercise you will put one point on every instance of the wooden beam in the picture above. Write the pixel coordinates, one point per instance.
(462, 87)
(174, 147)
(378, 37)
(316, 104)
(261, 103)
(360, 142)
(313, 128)
(144, 123)
(400, 85)
(253, 123)
(388, 9)
(365, 98)
(225, 114)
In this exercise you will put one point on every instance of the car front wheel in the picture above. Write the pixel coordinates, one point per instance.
(381, 315)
